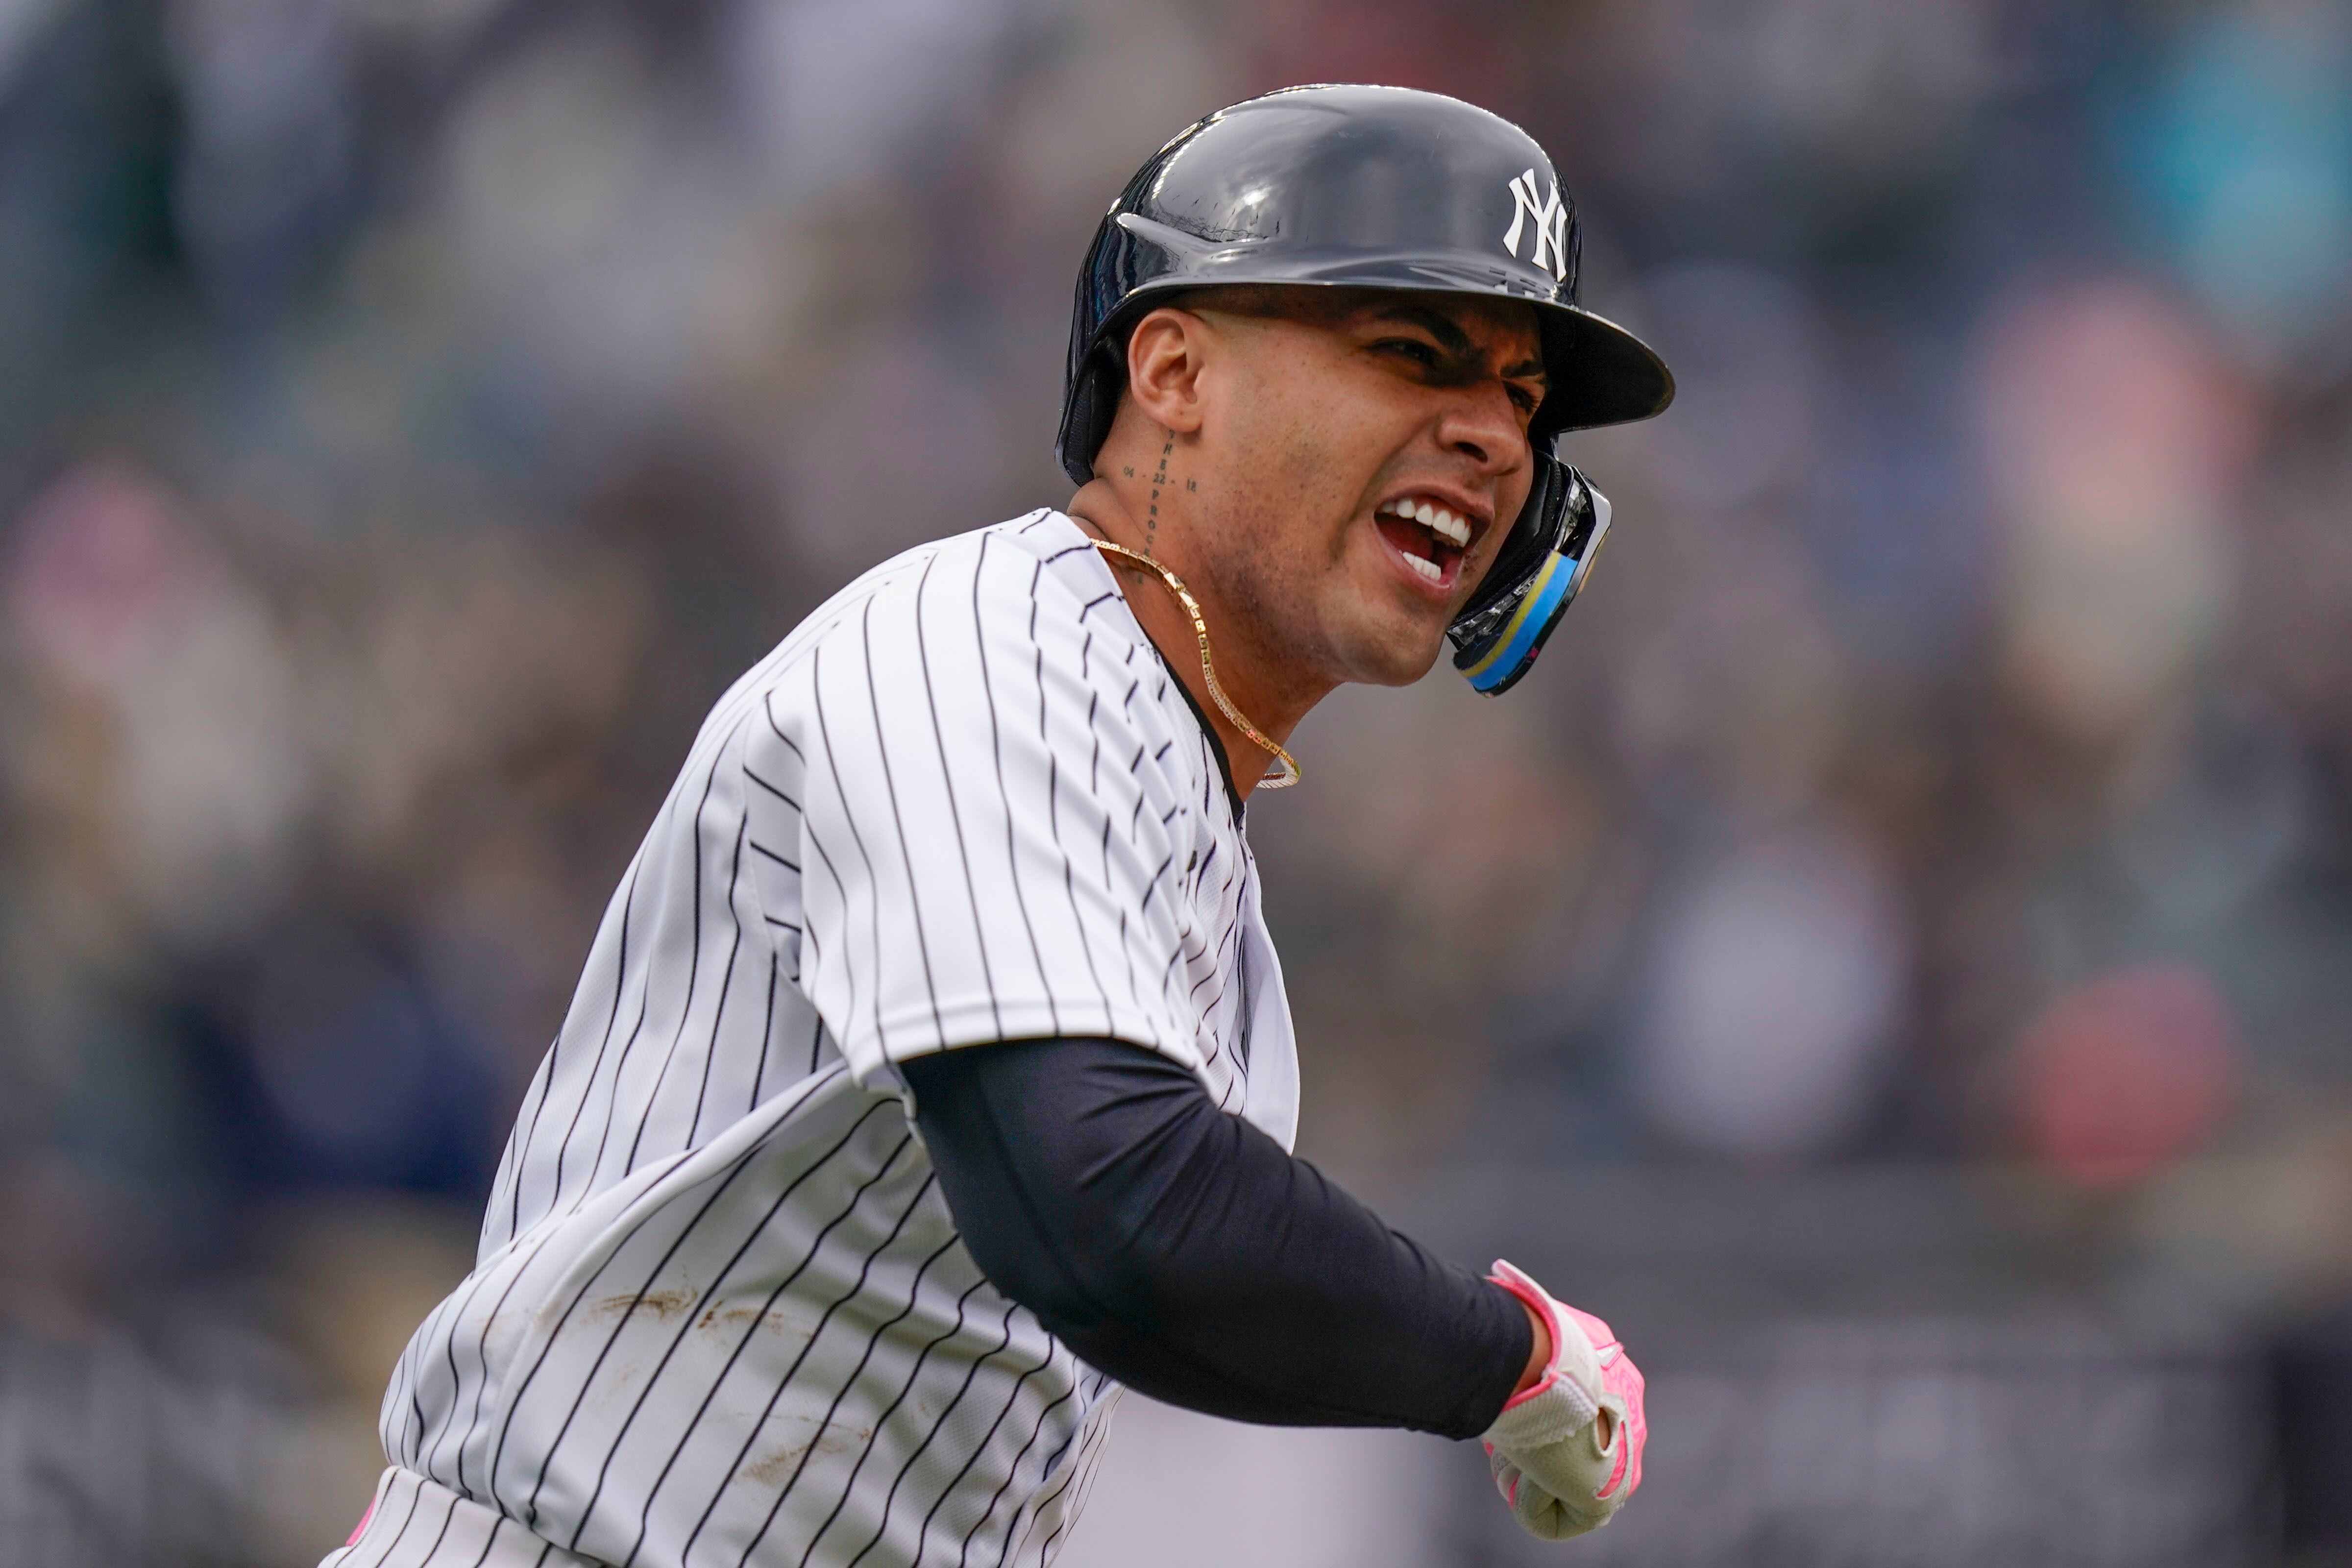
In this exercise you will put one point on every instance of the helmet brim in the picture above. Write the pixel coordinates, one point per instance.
(1601, 373)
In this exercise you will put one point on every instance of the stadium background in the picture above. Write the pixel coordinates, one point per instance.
(1894, 958)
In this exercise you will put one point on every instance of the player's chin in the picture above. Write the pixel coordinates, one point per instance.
(1395, 646)
(1391, 631)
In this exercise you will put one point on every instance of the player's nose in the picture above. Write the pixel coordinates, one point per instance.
(1482, 423)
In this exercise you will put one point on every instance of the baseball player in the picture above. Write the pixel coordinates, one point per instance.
(931, 1077)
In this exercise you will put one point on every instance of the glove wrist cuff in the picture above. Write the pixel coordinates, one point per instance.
(1566, 1397)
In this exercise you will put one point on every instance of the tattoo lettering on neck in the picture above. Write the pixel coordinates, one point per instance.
(1158, 483)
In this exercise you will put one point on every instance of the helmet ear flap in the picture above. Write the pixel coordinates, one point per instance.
(1091, 406)
(1543, 563)
(1096, 374)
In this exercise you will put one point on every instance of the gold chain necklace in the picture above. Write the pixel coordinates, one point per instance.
(1287, 774)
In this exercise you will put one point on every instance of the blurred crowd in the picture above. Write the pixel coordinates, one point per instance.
(413, 414)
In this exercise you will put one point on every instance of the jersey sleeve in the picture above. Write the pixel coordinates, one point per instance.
(992, 813)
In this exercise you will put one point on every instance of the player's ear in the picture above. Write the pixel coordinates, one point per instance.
(1163, 367)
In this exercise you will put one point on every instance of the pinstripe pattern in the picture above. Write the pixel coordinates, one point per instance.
(721, 1315)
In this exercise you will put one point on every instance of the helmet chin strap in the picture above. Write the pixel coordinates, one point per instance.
(1285, 772)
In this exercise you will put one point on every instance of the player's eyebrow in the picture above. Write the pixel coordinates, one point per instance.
(1436, 323)
(1452, 338)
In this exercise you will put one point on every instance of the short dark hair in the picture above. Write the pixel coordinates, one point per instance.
(1305, 302)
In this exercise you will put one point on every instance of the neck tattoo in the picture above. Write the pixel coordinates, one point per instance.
(1285, 772)
(1158, 483)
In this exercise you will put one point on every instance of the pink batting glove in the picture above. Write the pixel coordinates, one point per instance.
(1547, 1448)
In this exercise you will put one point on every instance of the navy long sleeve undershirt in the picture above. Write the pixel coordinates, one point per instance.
(1185, 1253)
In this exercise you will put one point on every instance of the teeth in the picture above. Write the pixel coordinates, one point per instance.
(1436, 519)
(1429, 569)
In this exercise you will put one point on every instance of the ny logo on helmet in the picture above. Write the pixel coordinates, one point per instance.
(1551, 224)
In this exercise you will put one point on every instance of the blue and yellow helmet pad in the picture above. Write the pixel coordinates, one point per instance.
(1542, 566)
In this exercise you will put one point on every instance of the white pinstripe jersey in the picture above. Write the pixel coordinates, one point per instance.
(720, 1314)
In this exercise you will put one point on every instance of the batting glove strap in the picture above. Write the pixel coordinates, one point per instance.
(1550, 1463)
(1566, 1397)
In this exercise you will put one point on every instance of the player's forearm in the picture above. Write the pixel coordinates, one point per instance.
(1185, 1253)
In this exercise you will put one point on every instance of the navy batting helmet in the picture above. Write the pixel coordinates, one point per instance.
(1379, 187)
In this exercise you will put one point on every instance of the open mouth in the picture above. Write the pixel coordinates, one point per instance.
(1428, 538)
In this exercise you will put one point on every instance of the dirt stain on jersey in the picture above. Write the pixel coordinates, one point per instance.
(662, 1304)
(775, 1322)
(837, 1438)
